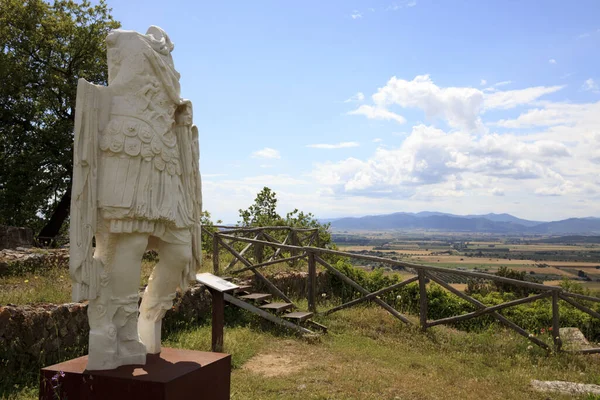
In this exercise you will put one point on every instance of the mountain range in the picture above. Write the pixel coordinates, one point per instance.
(485, 223)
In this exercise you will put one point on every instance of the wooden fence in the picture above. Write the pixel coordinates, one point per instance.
(302, 243)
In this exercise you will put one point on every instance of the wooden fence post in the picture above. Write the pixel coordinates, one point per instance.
(259, 248)
(312, 282)
(556, 322)
(216, 253)
(422, 299)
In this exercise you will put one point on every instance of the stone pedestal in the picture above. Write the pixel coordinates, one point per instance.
(172, 374)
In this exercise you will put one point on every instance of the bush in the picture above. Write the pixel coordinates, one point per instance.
(534, 317)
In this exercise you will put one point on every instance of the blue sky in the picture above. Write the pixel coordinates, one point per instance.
(356, 107)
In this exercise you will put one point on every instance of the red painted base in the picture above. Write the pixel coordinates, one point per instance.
(172, 374)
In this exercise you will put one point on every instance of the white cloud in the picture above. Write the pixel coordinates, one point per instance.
(266, 166)
(357, 98)
(356, 15)
(483, 82)
(341, 145)
(267, 152)
(411, 4)
(496, 191)
(377, 140)
(433, 161)
(552, 61)
(377, 113)
(584, 35)
(460, 106)
(371, 9)
(590, 85)
(513, 98)
(582, 116)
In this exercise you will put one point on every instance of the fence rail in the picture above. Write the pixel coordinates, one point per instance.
(302, 247)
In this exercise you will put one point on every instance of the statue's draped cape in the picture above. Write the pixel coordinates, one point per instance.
(91, 117)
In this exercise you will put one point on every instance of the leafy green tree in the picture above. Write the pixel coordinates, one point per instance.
(263, 213)
(45, 49)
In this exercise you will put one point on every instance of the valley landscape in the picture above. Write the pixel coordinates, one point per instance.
(547, 252)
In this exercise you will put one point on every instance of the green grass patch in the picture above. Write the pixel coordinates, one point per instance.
(367, 354)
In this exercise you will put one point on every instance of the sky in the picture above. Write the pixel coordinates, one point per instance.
(351, 108)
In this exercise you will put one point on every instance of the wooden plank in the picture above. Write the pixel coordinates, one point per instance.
(582, 297)
(277, 249)
(422, 300)
(256, 296)
(216, 254)
(277, 307)
(370, 296)
(298, 315)
(316, 325)
(260, 276)
(235, 260)
(579, 306)
(496, 315)
(417, 267)
(243, 288)
(555, 323)
(237, 271)
(264, 314)
(488, 310)
(364, 291)
(218, 319)
(259, 249)
(584, 351)
(312, 283)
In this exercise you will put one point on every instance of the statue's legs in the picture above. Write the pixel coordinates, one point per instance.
(114, 339)
(160, 292)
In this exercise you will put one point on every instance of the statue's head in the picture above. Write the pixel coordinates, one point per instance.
(160, 40)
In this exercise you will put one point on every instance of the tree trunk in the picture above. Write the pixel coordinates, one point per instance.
(61, 212)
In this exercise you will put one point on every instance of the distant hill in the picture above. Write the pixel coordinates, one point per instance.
(486, 223)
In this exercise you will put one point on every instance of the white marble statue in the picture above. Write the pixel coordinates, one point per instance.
(136, 186)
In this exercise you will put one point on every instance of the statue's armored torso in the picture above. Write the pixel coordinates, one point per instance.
(139, 145)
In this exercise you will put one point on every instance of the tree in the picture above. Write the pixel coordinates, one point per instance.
(46, 48)
(263, 213)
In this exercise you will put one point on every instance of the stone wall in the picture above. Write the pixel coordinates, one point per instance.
(35, 336)
(45, 334)
(12, 237)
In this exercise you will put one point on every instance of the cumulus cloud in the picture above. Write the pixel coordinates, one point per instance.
(356, 15)
(267, 152)
(378, 113)
(460, 107)
(443, 162)
(552, 61)
(483, 82)
(341, 145)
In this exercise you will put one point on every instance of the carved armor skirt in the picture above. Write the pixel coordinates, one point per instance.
(140, 180)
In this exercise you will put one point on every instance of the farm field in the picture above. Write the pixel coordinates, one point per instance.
(546, 262)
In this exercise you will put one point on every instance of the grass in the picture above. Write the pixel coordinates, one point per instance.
(369, 355)
(49, 285)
